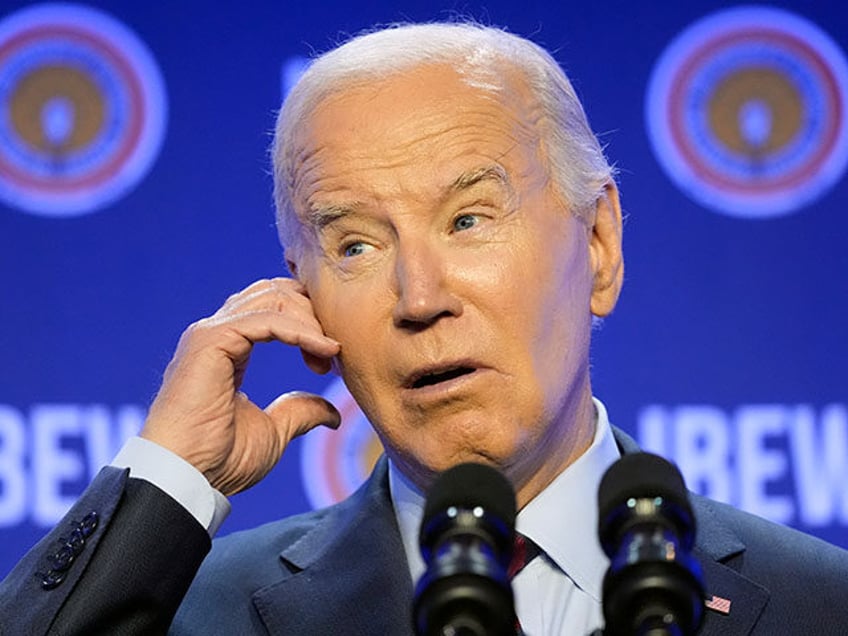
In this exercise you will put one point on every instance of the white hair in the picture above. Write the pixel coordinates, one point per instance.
(578, 168)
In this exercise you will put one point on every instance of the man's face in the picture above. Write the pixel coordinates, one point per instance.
(456, 280)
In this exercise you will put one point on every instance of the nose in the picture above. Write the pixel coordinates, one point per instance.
(423, 287)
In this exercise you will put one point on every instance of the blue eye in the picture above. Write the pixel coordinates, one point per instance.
(355, 249)
(464, 222)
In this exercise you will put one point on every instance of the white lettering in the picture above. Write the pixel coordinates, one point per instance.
(42, 473)
(757, 464)
(13, 497)
(652, 427)
(52, 463)
(128, 420)
(104, 435)
(702, 448)
(820, 463)
(787, 463)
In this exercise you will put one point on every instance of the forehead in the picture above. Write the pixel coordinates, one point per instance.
(421, 128)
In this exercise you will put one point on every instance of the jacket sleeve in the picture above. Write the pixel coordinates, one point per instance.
(120, 562)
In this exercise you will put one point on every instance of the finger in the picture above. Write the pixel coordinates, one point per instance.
(298, 412)
(318, 364)
(237, 334)
(283, 296)
(264, 325)
(282, 292)
(266, 283)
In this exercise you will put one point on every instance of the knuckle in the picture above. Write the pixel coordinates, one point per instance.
(197, 330)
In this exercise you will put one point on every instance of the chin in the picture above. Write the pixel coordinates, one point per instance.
(499, 456)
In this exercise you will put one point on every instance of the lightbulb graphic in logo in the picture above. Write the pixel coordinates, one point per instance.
(335, 463)
(82, 110)
(746, 111)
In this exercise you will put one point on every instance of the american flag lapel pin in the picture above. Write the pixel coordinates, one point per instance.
(718, 604)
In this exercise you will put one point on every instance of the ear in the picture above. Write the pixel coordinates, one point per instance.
(296, 255)
(292, 265)
(605, 253)
(293, 255)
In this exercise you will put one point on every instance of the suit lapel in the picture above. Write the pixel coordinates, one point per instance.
(349, 573)
(720, 552)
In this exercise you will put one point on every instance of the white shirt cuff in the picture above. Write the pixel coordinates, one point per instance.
(176, 477)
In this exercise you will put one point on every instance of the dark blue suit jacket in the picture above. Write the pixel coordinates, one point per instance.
(343, 570)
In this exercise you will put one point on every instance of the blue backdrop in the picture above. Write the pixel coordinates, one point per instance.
(135, 197)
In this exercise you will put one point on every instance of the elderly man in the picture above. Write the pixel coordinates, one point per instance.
(452, 227)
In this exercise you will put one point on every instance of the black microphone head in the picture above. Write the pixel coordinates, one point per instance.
(471, 486)
(647, 529)
(638, 476)
(466, 541)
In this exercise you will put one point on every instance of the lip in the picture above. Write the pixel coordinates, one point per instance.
(425, 381)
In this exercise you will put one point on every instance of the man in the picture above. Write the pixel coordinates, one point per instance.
(452, 227)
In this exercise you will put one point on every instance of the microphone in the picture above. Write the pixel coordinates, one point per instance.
(466, 540)
(654, 585)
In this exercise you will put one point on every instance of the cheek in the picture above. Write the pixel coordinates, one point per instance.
(332, 299)
(561, 320)
(356, 317)
(350, 319)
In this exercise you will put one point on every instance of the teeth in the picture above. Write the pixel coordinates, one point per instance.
(442, 376)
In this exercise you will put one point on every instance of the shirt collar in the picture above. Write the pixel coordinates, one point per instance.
(409, 509)
(563, 519)
(569, 502)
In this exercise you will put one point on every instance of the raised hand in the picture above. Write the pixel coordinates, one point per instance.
(199, 412)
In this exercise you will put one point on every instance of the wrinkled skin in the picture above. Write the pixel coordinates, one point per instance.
(443, 276)
(437, 244)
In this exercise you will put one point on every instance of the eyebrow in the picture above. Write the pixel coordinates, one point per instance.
(493, 172)
(320, 216)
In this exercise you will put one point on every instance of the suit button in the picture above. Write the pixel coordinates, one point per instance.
(88, 524)
(51, 580)
(61, 560)
(69, 549)
(76, 541)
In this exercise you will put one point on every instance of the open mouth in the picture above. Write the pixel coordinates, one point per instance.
(429, 379)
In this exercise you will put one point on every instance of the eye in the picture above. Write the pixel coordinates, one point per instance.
(356, 248)
(465, 222)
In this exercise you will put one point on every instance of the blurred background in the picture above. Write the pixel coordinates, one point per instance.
(135, 196)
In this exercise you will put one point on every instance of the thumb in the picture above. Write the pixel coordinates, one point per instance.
(299, 412)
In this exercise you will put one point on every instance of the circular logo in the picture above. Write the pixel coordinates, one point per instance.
(335, 463)
(746, 111)
(82, 110)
